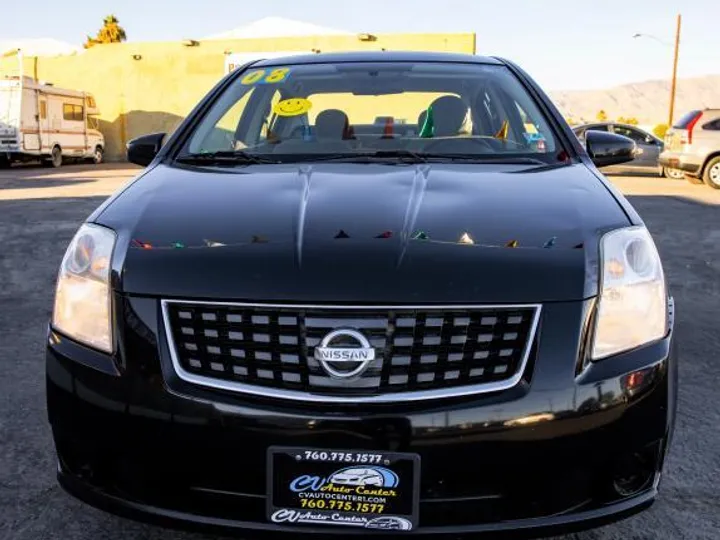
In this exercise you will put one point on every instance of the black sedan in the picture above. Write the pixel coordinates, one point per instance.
(647, 156)
(363, 292)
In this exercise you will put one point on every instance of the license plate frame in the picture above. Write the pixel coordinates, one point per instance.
(357, 488)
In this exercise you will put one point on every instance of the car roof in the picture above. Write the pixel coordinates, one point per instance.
(581, 126)
(379, 56)
(631, 126)
(593, 124)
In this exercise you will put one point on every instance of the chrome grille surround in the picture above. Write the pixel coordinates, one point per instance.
(291, 315)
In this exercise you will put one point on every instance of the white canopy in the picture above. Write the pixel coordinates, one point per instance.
(277, 27)
(39, 47)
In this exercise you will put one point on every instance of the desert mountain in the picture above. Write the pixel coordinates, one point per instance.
(647, 101)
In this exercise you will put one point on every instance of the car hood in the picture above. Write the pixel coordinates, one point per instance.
(365, 233)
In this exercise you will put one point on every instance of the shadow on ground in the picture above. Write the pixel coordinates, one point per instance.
(24, 180)
(637, 174)
(638, 201)
(34, 182)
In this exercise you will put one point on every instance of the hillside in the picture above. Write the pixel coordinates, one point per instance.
(647, 101)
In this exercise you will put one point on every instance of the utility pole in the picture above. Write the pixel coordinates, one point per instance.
(674, 74)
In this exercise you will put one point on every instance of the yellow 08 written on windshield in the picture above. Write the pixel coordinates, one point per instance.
(266, 76)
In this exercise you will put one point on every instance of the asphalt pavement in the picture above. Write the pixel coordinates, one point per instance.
(40, 209)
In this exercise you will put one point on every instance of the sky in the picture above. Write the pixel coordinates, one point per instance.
(563, 44)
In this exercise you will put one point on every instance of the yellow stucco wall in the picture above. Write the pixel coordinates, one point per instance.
(155, 92)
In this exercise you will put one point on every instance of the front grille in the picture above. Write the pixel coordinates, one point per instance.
(421, 352)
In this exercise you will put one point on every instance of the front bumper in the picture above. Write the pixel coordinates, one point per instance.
(688, 163)
(540, 458)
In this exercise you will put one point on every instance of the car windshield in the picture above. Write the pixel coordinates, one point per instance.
(422, 110)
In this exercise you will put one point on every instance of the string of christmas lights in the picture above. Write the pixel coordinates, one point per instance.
(420, 235)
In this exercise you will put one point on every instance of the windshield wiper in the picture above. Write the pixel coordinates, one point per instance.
(408, 156)
(229, 157)
(399, 153)
(360, 157)
(487, 158)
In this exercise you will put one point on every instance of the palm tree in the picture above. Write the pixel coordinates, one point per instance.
(111, 32)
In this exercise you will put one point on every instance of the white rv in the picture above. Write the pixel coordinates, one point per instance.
(41, 121)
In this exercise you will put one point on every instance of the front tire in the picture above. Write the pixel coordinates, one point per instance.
(56, 158)
(98, 155)
(674, 174)
(712, 173)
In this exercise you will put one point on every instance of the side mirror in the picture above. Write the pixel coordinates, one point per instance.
(142, 150)
(607, 149)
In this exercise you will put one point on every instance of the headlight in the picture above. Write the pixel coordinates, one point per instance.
(82, 298)
(632, 308)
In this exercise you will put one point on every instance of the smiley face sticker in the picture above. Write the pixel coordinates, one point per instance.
(292, 107)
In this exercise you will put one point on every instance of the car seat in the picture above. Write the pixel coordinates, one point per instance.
(449, 113)
(332, 125)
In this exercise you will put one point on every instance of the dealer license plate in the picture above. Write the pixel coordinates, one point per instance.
(374, 490)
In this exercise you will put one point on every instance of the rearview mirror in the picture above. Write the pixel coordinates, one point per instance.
(142, 150)
(607, 149)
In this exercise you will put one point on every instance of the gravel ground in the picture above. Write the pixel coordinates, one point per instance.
(40, 210)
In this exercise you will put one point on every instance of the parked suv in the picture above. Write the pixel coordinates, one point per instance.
(693, 145)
